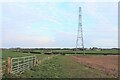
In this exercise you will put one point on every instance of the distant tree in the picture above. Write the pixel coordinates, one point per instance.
(115, 48)
(94, 48)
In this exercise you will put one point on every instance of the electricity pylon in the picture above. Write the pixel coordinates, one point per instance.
(79, 41)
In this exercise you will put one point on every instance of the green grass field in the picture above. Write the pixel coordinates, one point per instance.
(8, 53)
(60, 66)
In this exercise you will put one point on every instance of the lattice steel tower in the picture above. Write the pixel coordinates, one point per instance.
(79, 41)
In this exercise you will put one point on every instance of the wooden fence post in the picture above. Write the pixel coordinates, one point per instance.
(36, 61)
(8, 65)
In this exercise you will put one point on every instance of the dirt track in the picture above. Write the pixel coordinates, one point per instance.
(108, 64)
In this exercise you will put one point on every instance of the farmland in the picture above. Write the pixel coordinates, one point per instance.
(8, 53)
(60, 66)
(92, 52)
(107, 64)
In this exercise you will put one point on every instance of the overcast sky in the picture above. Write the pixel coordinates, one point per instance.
(55, 24)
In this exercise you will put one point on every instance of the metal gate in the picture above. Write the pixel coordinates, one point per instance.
(20, 64)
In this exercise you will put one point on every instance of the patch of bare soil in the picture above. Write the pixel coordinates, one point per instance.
(107, 63)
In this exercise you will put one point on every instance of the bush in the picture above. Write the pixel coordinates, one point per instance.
(48, 53)
(56, 52)
(36, 52)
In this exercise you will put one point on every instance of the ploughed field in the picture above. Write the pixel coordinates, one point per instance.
(108, 64)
